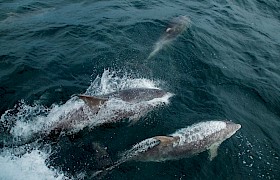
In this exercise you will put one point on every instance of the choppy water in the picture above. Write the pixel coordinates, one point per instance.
(224, 66)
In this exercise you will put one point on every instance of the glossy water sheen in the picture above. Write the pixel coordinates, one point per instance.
(224, 66)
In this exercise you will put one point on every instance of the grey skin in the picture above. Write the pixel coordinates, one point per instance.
(184, 143)
(134, 95)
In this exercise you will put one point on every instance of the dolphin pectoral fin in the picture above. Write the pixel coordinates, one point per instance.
(92, 101)
(213, 151)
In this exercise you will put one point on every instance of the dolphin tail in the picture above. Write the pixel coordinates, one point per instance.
(92, 101)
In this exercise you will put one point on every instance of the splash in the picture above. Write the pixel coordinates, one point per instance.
(111, 81)
(33, 120)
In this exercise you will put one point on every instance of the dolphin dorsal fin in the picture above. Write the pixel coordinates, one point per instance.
(92, 101)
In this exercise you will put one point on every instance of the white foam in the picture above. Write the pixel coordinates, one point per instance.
(30, 166)
(198, 131)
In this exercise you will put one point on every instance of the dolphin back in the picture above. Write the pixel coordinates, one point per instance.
(134, 95)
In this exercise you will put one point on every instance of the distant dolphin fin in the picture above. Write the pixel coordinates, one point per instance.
(213, 150)
(92, 101)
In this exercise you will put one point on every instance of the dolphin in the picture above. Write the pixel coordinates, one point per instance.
(185, 142)
(176, 27)
(95, 104)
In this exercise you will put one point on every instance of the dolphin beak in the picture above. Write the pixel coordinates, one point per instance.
(235, 127)
(238, 126)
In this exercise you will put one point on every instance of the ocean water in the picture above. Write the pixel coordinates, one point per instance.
(224, 65)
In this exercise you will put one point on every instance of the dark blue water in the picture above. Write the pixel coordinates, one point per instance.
(224, 66)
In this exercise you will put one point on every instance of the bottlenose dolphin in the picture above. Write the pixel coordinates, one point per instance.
(185, 142)
(95, 104)
(176, 27)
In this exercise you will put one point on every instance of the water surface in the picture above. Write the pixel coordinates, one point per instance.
(225, 66)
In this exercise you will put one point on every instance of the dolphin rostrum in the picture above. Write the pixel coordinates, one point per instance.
(185, 142)
(176, 27)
